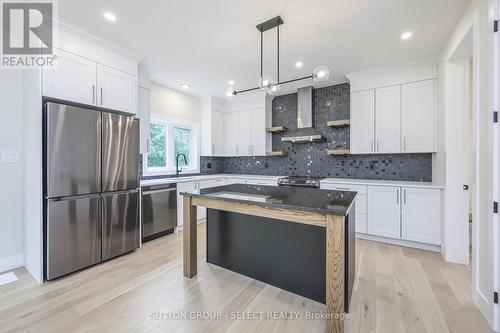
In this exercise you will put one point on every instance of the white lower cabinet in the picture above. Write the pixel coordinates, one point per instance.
(384, 211)
(191, 186)
(360, 204)
(183, 187)
(421, 215)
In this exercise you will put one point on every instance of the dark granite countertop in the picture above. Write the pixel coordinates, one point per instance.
(288, 197)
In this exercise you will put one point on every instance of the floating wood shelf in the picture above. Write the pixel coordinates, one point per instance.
(339, 123)
(338, 152)
(277, 153)
(276, 129)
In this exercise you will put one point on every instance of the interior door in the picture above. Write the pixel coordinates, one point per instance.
(418, 117)
(73, 235)
(384, 211)
(117, 90)
(73, 79)
(120, 223)
(388, 119)
(362, 121)
(120, 152)
(73, 144)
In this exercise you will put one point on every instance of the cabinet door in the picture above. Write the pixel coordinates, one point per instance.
(388, 119)
(362, 121)
(182, 187)
(421, 215)
(217, 133)
(244, 133)
(231, 134)
(73, 79)
(384, 211)
(117, 90)
(258, 145)
(418, 117)
(143, 114)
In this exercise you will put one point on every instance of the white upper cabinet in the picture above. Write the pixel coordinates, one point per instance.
(418, 117)
(74, 79)
(244, 137)
(400, 105)
(217, 148)
(144, 115)
(421, 215)
(362, 121)
(258, 128)
(388, 119)
(231, 134)
(384, 211)
(116, 89)
(90, 74)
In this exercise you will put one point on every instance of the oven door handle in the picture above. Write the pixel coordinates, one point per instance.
(158, 191)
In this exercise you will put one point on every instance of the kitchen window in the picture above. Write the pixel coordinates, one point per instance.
(168, 139)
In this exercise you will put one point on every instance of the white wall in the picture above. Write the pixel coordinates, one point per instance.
(11, 174)
(167, 102)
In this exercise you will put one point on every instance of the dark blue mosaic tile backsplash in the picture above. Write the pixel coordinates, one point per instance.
(310, 159)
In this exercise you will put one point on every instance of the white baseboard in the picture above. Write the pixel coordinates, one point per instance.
(9, 263)
(400, 242)
(484, 306)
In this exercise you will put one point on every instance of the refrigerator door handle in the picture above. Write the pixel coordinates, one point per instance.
(74, 197)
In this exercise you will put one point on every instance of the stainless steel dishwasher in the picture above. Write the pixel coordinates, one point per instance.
(159, 210)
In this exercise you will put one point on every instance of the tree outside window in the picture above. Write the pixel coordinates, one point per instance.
(181, 144)
(157, 157)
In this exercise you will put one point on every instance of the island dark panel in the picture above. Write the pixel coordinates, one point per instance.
(288, 255)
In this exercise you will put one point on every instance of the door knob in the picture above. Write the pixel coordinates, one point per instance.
(466, 187)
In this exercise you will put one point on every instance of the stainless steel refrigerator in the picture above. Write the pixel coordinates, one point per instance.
(91, 185)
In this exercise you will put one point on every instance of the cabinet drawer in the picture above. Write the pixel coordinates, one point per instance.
(361, 189)
(266, 182)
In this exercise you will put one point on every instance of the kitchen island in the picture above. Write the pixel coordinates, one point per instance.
(298, 239)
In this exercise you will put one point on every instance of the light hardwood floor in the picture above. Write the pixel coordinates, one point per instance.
(396, 290)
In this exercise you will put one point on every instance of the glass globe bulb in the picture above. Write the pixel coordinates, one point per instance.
(321, 74)
(274, 89)
(265, 82)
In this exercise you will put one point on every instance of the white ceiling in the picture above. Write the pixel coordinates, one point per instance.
(205, 43)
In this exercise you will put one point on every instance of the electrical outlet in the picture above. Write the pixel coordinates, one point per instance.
(10, 156)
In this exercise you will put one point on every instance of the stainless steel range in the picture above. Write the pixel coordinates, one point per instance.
(300, 181)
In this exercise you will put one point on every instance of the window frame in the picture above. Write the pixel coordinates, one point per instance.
(194, 147)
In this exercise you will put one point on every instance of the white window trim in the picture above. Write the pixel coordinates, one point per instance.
(194, 160)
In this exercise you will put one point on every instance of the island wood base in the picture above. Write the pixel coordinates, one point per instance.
(335, 246)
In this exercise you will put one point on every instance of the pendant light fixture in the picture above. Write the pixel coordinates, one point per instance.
(268, 83)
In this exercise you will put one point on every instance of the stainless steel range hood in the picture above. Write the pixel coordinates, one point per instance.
(304, 132)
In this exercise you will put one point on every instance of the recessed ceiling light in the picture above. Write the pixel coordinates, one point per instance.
(230, 82)
(185, 86)
(110, 16)
(299, 64)
(407, 35)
